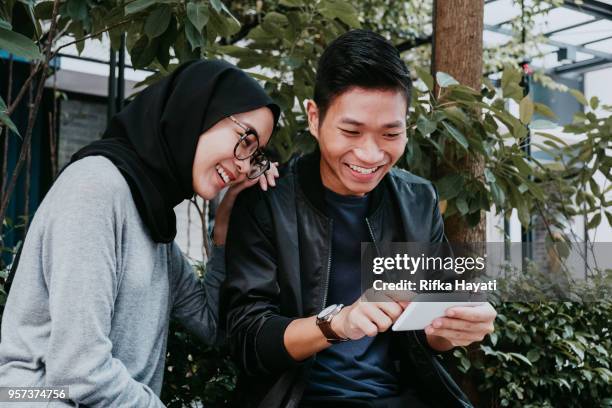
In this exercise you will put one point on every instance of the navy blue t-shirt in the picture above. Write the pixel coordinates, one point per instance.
(360, 369)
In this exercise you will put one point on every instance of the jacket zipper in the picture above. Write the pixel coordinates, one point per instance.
(442, 379)
(328, 271)
(372, 236)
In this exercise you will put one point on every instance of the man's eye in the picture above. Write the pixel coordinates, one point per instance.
(350, 132)
(392, 135)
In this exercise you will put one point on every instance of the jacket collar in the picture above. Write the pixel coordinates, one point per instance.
(309, 180)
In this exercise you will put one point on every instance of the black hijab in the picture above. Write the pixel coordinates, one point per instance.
(153, 140)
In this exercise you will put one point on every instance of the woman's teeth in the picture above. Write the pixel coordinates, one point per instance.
(222, 173)
(363, 170)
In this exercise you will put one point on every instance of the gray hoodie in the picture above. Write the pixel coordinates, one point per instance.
(93, 295)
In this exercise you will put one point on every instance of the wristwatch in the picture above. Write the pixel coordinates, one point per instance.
(324, 319)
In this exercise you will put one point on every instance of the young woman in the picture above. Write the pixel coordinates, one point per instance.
(100, 276)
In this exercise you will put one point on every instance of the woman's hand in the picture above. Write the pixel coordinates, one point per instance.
(225, 207)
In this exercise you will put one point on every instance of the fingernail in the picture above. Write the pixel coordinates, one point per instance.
(429, 330)
(451, 313)
(437, 324)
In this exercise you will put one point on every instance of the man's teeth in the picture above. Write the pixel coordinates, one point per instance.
(363, 170)
(222, 173)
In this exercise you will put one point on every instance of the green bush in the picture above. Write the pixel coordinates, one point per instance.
(545, 354)
(196, 373)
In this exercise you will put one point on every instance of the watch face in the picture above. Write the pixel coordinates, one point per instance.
(326, 311)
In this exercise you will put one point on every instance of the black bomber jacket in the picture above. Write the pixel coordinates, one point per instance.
(278, 255)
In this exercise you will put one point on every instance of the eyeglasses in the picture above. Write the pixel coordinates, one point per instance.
(247, 147)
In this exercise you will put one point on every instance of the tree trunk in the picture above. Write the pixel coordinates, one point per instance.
(457, 50)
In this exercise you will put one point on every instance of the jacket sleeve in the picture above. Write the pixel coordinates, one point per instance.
(80, 268)
(250, 298)
(195, 301)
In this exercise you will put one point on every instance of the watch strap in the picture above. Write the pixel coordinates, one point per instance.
(326, 329)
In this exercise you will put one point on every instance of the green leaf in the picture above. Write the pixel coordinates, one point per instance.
(445, 80)
(513, 91)
(510, 75)
(194, 38)
(489, 176)
(462, 205)
(275, 24)
(542, 124)
(44, 10)
(526, 109)
(77, 10)
(340, 9)
(455, 134)
(291, 3)
(595, 221)
(426, 77)
(523, 168)
(198, 15)
(138, 5)
(556, 139)
(544, 110)
(579, 96)
(220, 25)
(594, 102)
(498, 194)
(533, 355)
(217, 5)
(609, 217)
(5, 25)
(450, 186)
(521, 357)
(157, 22)
(19, 45)
(5, 118)
(143, 52)
(425, 126)
(594, 187)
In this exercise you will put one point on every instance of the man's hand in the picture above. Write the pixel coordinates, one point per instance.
(461, 326)
(364, 318)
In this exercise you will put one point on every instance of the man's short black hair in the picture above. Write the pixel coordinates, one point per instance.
(359, 58)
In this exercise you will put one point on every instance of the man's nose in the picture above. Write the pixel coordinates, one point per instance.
(369, 152)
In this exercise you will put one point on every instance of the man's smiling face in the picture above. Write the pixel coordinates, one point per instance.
(362, 135)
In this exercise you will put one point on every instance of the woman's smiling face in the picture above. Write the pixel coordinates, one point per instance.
(214, 165)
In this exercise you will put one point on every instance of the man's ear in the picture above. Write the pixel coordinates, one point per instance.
(313, 118)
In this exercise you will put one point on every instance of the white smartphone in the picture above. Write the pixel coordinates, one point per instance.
(424, 308)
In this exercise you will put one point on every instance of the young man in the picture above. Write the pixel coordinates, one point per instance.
(293, 257)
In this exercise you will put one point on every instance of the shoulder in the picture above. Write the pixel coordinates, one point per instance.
(92, 184)
(404, 176)
(94, 173)
(404, 180)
